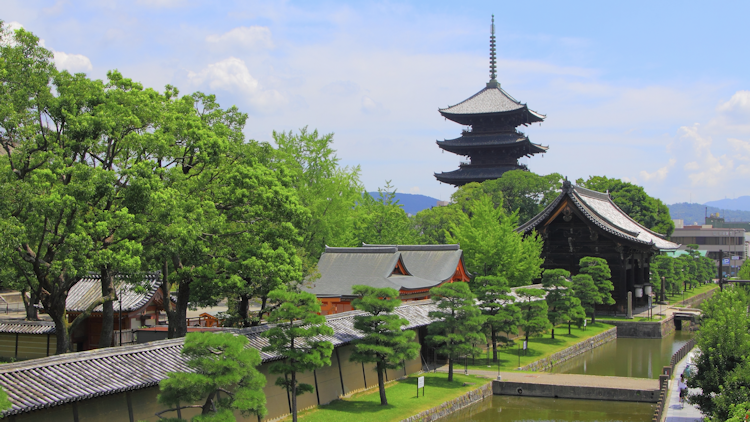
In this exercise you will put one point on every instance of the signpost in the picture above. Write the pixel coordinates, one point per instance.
(584, 324)
(420, 384)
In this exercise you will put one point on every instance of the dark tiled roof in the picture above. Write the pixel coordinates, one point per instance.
(470, 173)
(467, 143)
(27, 327)
(56, 380)
(89, 289)
(599, 209)
(373, 265)
(490, 100)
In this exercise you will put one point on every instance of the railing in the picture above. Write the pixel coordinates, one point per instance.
(128, 337)
(204, 320)
(667, 373)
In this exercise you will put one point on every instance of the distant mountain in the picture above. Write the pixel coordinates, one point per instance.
(412, 203)
(695, 213)
(742, 203)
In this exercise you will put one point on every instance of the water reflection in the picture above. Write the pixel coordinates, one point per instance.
(627, 357)
(513, 408)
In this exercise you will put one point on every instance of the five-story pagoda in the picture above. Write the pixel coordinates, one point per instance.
(493, 144)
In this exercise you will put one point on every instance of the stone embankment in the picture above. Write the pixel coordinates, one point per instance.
(454, 405)
(547, 363)
(642, 329)
(696, 300)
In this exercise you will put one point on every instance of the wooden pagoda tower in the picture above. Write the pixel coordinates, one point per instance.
(493, 143)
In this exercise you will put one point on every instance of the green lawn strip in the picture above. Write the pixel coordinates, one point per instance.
(402, 400)
(677, 299)
(539, 348)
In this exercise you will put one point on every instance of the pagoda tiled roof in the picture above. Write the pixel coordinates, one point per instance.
(599, 208)
(468, 174)
(489, 100)
(486, 140)
(89, 289)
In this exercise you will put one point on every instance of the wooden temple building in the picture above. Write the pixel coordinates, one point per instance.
(581, 222)
(411, 269)
(493, 144)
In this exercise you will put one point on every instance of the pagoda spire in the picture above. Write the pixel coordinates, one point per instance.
(493, 62)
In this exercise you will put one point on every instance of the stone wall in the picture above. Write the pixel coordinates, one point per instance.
(572, 351)
(643, 329)
(696, 300)
(454, 405)
(511, 388)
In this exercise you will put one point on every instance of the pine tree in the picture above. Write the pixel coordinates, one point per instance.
(297, 322)
(599, 271)
(493, 295)
(225, 378)
(458, 322)
(534, 319)
(562, 304)
(585, 290)
(384, 342)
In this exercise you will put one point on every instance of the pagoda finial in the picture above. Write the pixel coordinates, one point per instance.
(493, 62)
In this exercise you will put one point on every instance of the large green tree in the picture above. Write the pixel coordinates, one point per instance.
(223, 377)
(634, 201)
(385, 343)
(499, 308)
(534, 320)
(585, 290)
(492, 246)
(724, 343)
(382, 220)
(296, 324)
(598, 270)
(457, 325)
(432, 224)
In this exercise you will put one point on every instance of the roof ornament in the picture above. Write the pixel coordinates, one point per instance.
(493, 62)
(566, 184)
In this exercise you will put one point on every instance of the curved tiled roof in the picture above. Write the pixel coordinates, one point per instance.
(488, 100)
(472, 173)
(599, 208)
(89, 289)
(486, 140)
(431, 262)
(27, 327)
(57, 380)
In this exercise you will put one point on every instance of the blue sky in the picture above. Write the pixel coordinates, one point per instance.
(657, 93)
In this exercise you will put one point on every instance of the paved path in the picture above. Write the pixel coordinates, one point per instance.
(675, 412)
(566, 379)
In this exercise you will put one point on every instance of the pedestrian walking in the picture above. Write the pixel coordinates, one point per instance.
(682, 386)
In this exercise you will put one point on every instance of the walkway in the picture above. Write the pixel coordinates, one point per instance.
(675, 412)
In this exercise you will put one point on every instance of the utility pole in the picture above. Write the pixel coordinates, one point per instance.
(721, 278)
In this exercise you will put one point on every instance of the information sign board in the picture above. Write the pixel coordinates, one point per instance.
(420, 384)
(725, 261)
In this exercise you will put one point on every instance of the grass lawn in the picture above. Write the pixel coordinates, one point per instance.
(676, 299)
(539, 347)
(402, 400)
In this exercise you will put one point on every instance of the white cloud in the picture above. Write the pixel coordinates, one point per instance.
(12, 26)
(247, 36)
(414, 190)
(162, 3)
(660, 174)
(232, 75)
(72, 62)
(370, 106)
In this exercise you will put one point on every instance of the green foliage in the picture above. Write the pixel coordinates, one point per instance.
(585, 290)
(431, 224)
(517, 191)
(724, 343)
(382, 221)
(598, 270)
(457, 324)
(5, 403)
(634, 201)
(534, 319)
(492, 246)
(562, 304)
(739, 412)
(328, 190)
(498, 306)
(744, 272)
(224, 378)
(297, 323)
(384, 342)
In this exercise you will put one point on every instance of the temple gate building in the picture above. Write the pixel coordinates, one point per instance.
(493, 144)
(582, 222)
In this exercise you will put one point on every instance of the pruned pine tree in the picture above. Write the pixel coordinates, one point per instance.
(534, 319)
(600, 273)
(457, 323)
(585, 290)
(385, 343)
(498, 306)
(224, 379)
(293, 338)
(563, 306)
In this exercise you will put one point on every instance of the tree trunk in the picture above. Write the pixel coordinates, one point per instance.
(593, 315)
(180, 317)
(208, 406)
(243, 308)
(294, 396)
(381, 386)
(568, 327)
(494, 344)
(450, 368)
(263, 301)
(108, 312)
(553, 333)
(32, 313)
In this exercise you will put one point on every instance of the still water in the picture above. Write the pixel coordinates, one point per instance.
(627, 357)
(514, 408)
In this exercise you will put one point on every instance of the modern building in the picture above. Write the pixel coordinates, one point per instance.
(582, 222)
(411, 269)
(727, 244)
(493, 144)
